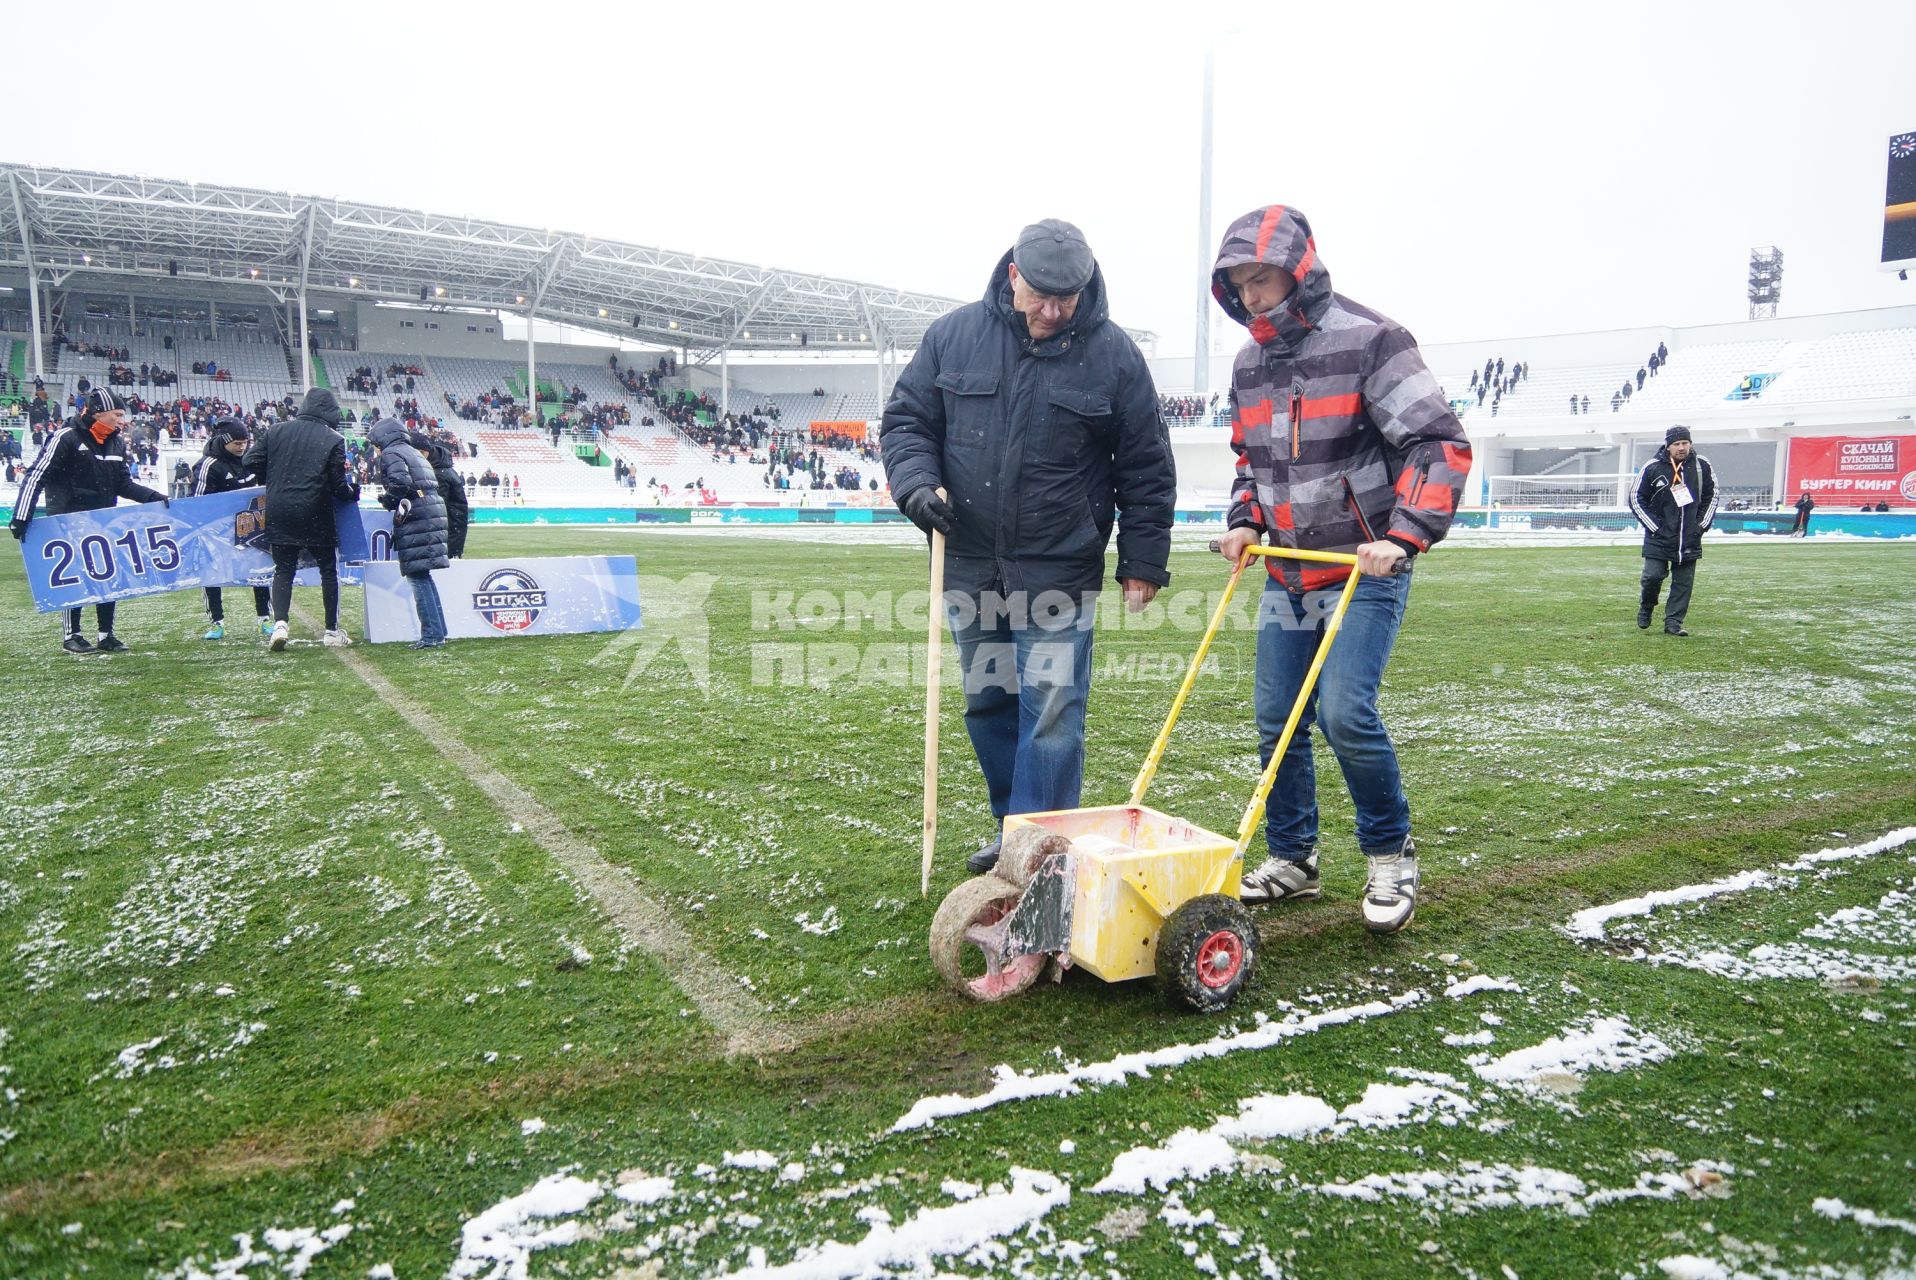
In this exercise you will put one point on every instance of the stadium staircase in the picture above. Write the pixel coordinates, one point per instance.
(320, 379)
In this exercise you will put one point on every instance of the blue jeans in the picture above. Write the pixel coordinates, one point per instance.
(1026, 678)
(432, 618)
(1343, 706)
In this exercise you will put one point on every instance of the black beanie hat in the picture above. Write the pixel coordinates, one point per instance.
(98, 401)
(1676, 433)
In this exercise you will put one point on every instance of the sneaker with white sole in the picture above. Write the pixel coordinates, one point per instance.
(1280, 880)
(277, 641)
(335, 639)
(1390, 895)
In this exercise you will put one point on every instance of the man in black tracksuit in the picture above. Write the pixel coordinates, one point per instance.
(82, 466)
(1675, 502)
(303, 464)
(219, 471)
(452, 489)
(1037, 416)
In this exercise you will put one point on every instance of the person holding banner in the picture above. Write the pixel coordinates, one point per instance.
(219, 471)
(410, 490)
(82, 466)
(302, 462)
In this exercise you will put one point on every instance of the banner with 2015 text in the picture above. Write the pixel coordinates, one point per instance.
(119, 553)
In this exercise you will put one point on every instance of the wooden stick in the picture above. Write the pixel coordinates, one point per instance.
(934, 647)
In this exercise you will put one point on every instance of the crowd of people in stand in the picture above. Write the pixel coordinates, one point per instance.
(90, 348)
(1189, 408)
(150, 375)
(1496, 383)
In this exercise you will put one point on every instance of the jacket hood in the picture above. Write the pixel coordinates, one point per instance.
(322, 405)
(1281, 237)
(386, 433)
(1093, 310)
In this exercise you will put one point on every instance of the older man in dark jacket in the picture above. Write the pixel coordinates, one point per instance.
(1675, 502)
(1038, 418)
(302, 462)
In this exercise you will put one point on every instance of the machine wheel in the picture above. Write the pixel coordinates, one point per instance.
(1024, 850)
(965, 933)
(1206, 951)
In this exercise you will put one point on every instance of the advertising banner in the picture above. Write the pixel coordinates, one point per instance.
(529, 596)
(118, 553)
(1851, 470)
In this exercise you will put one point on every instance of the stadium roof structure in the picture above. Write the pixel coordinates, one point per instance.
(71, 227)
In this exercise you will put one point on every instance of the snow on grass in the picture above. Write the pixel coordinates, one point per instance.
(950, 1231)
(1472, 1186)
(1193, 1154)
(1588, 925)
(750, 1160)
(1480, 982)
(1836, 1210)
(497, 1243)
(643, 1190)
(1604, 1044)
(289, 1251)
(1013, 1087)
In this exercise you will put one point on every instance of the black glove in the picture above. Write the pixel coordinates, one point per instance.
(924, 508)
(18, 525)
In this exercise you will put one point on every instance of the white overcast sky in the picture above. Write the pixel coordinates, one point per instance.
(1475, 171)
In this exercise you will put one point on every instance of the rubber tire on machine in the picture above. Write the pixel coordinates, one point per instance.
(977, 904)
(1206, 952)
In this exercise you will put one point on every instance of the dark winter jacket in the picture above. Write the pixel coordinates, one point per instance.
(218, 471)
(1042, 446)
(1671, 532)
(1342, 435)
(452, 489)
(302, 462)
(80, 473)
(419, 540)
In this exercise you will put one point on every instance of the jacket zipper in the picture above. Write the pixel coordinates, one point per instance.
(1417, 490)
(1350, 499)
(1297, 420)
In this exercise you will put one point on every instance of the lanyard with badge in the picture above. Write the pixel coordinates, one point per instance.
(1679, 491)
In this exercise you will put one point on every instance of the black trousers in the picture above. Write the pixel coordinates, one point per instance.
(286, 564)
(216, 609)
(1681, 576)
(102, 613)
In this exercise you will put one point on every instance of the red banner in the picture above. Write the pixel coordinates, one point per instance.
(1851, 470)
(856, 430)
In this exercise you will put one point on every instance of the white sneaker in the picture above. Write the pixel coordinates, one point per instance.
(1390, 897)
(335, 639)
(1280, 880)
(277, 640)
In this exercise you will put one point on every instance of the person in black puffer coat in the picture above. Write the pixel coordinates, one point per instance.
(452, 489)
(410, 491)
(219, 471)
(1675, 502)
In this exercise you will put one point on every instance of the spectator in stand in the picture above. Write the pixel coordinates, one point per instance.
(1616, 401)
(1663, 353)
(1573, 404)
(1586, 404)
(1641, 375)
(1655, 361)
(303, 465)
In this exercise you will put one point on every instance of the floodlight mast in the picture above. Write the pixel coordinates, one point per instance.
(33, 276)
(1201, 362)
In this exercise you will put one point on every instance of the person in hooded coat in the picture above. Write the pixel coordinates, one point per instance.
(410, 490)
(219, 471)
(452, 489)
(1344, 443)
(302, 462)
(82, 467)
(1037, 416)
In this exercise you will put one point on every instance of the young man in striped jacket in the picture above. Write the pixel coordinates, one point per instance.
(1344, 442)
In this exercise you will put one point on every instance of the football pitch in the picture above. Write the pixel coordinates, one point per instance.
(604, 956)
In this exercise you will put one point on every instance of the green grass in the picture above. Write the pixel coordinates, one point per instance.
(364, 978)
